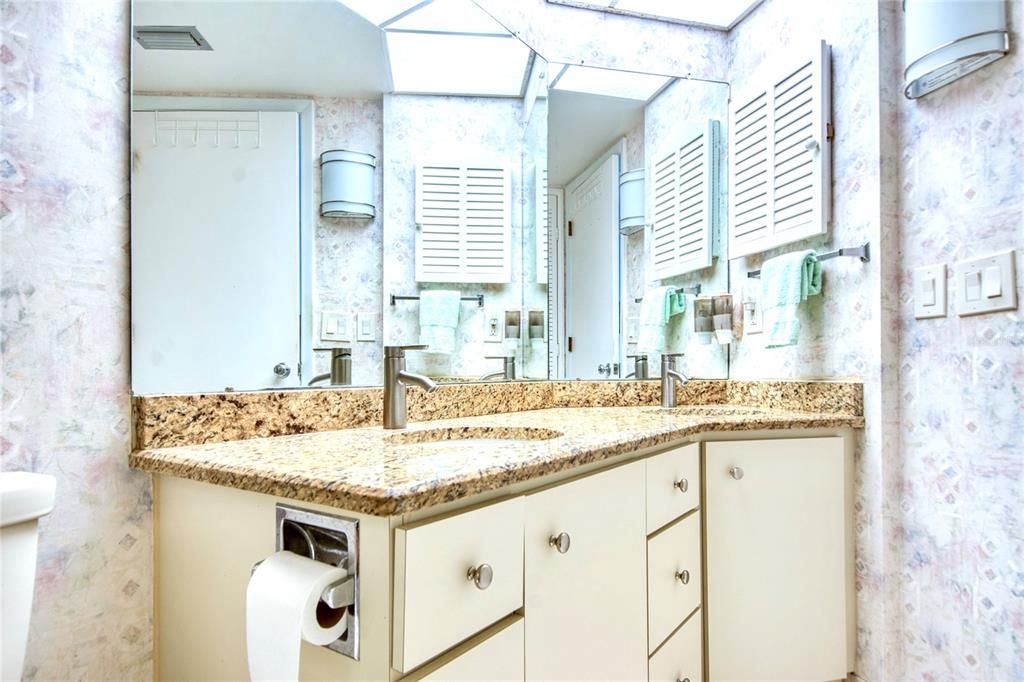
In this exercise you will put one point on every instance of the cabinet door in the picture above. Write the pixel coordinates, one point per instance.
(586, 608)
(776, 559)
(499, 656)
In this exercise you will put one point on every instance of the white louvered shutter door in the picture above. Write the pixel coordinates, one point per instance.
(780, 159)
(684, 203)
(464, 217)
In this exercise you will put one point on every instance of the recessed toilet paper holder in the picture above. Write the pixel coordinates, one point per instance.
(332, 540)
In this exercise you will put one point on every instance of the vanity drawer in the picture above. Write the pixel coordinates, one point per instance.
(437, 604)
(681, 659)
(673, 578)
(673, 485)
(495, 655)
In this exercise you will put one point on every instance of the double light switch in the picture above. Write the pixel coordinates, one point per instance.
(986, 285)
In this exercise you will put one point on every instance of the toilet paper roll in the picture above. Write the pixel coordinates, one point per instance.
(283, 607)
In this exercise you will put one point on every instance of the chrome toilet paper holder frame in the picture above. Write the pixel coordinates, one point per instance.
(333, 540)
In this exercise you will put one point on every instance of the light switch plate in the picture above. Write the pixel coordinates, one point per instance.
(493, 326)
(753, 315)
(335, 326)
(930, 291)
(632, 329)
(365, 327)
(986, 285)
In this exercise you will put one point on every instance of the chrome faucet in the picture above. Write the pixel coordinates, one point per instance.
(508, 370)
(669, 378)
(396, 381)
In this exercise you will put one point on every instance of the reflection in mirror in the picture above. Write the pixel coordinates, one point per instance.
(634, 207)
(277, 206)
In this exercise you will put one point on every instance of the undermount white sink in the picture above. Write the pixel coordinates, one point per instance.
(474, 436)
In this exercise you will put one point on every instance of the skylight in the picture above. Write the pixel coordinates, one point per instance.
(720, 14)
(452, 64)
(607, 82)
(447, 47)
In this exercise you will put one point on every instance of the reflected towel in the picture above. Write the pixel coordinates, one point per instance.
(786, 282)
(439, 316)
(654, 314)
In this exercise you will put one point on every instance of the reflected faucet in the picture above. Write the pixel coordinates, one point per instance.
(669, 378)
(508, 371)
(341, 367)
(396, 381)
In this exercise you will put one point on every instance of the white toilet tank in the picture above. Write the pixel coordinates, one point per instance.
(24, 497)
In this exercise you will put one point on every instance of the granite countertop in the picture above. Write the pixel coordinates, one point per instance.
(380, 472)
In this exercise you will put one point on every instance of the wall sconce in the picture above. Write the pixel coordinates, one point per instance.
(947, 40)
(631, 201)
(346, 184)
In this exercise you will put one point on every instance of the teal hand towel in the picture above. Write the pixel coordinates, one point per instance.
(676, 303)
(439, 317)
(654, 314)
(786, 282)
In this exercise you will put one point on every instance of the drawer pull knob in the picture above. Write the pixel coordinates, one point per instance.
(682, 484)
(685, 679)
(481, 576)
(560, 542)
(736, 472)
(683, 577)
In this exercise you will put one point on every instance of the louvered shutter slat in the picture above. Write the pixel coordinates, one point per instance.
(463, 213)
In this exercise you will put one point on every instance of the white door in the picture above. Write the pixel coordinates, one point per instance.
(592, 272)
(587, 606)
(215, 251)
(776, 559)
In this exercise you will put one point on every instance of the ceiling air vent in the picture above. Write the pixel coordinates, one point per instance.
(171, 38)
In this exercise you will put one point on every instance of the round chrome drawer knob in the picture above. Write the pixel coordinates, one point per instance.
(736, 472)
(481, 576)
(560, 542)
(683, 577)
(682, 484)
(685, 679)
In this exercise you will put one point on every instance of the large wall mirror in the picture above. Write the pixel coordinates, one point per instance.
(314, 180)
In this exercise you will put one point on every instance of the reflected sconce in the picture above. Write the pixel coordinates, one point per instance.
(947, 40)
(346, 184)
(631, 201)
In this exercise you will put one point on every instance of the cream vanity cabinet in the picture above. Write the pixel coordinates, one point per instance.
(721, 560)
(779, 568)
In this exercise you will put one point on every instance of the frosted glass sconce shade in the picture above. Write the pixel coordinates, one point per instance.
(346, 184)
(631, 201)
(947, 40)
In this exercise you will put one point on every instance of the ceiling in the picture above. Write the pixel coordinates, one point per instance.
(282, 47)
(581, 126)
(717, 14)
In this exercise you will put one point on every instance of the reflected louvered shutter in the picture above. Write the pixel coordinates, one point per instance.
(463, 214)
(545, 220)
(684, 203)
(780, 159)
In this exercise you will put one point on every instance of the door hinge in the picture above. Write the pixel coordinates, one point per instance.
(570, 228)
(830, 132)
(570, 344)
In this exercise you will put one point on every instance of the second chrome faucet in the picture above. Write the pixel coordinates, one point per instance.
(669, 377)
(396, 383)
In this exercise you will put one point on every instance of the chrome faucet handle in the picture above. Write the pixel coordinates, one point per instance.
(672, 355)
(499, 357)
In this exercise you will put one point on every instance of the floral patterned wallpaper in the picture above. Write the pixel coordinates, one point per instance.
(960, 518)
(64, 324)
(348, 263)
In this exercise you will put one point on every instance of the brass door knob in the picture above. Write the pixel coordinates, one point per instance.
(560, 542)
(481, 576)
